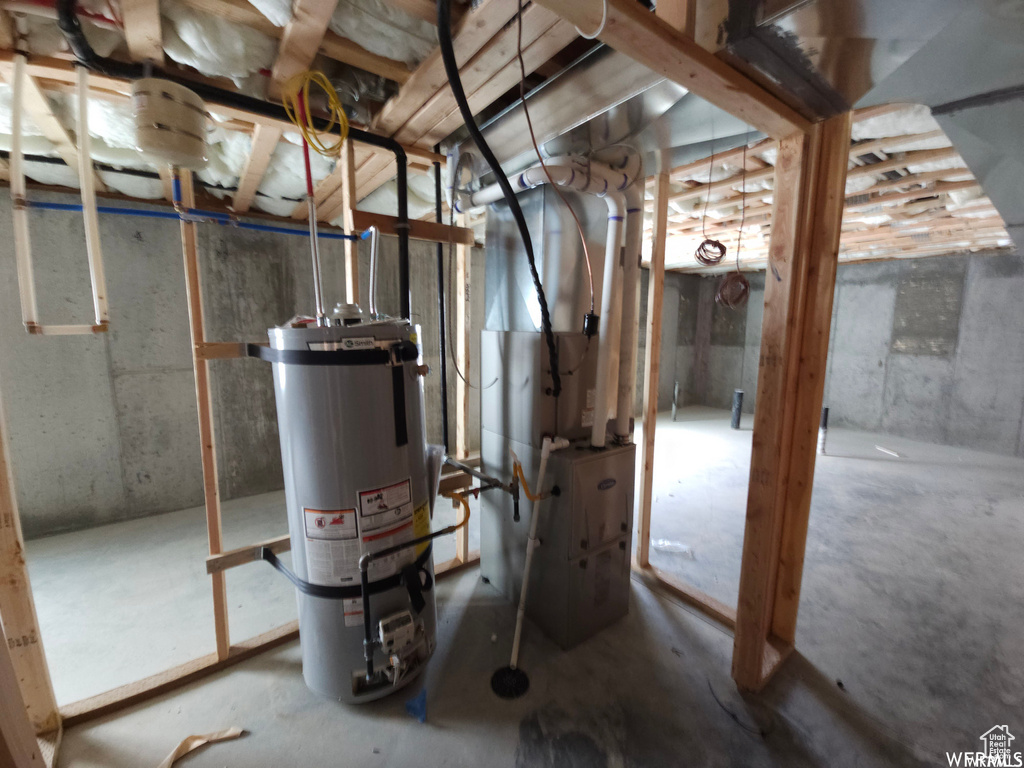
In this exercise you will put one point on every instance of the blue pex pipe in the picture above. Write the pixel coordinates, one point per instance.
(211, 217)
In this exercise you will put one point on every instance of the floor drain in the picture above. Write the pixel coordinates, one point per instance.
(510, 683)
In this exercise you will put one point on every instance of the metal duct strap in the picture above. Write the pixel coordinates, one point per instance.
(403, 351)
(408, 577)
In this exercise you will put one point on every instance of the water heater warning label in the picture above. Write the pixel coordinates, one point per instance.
(337, 524)
(384, 507)
(335, 539)
(332, 542)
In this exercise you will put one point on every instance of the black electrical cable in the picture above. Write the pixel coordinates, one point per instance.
(451, 67)
(441, 321)
(69, 24)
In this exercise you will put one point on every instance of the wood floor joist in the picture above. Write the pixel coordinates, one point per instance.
(302, 38)
(264, 141)
(142, 30)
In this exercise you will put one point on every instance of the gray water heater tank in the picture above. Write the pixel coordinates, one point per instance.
(350, 413)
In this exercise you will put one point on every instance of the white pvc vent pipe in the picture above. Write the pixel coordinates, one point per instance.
(630, 309)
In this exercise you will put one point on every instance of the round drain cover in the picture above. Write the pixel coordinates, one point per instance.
(510, 683)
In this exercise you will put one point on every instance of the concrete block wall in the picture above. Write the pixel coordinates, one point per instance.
(928, 348)
(104, 428)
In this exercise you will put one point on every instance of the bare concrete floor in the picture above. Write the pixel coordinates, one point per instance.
(912, 599)
(913, 592)
(128, 600)
(654, 690)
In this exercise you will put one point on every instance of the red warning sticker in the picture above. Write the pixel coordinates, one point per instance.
(330, 524)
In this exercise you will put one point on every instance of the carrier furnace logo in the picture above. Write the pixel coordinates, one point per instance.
(996, 751)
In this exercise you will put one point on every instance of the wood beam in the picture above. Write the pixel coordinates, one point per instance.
(652, 366)
(477, 74)
(204, 404)
(418, 230)
(302, 37)
(473, 32)
(142, 31)
(803, 255)
(679, 14)
(636, 32)
(503, 79)
(264, 141)
(17, 607)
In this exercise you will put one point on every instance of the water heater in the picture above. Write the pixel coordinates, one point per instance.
(350, 413)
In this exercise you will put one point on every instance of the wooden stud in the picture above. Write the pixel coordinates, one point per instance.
(264, 141)
(249, 554)
(204, 405)
(652, 367)
(18, 746)
(658, 579)
(142, 32)
(806, 220)
(632, 30)
(347, 168)
(418, 230)
(17, 608)
(301, 40)
(225, 350)
(821, 248)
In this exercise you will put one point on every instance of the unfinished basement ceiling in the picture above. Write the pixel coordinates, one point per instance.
(908, 194)
(611, 98)
(216, 47)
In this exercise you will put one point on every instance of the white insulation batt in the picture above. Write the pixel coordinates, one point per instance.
(385, 30)
(214, 46)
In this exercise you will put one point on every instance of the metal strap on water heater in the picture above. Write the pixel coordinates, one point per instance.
(400, 352)
(395, 355)
(408, 576)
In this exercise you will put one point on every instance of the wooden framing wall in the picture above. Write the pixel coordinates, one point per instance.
(810, 173)
(807, 210)
(790, 384)
(17, 610)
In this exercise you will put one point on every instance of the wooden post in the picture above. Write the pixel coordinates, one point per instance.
(18, 745)
(806, 221)
(193, 289)
(463, 313)
(652, 364)
(17, 608)
(347, 161)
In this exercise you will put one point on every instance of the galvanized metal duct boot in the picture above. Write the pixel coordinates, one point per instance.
(350, 412)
